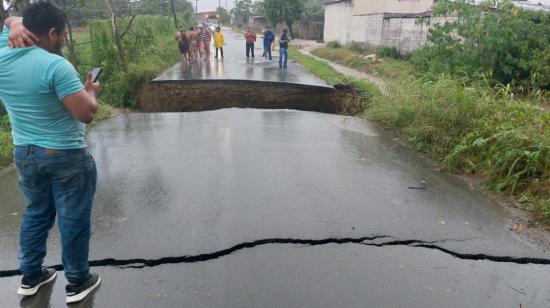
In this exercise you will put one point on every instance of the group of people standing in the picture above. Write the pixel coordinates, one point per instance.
(195, 44)
(268, 40)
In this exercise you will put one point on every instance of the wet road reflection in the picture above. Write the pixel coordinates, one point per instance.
(235, 66)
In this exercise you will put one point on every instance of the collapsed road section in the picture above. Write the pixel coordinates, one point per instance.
(217, 84)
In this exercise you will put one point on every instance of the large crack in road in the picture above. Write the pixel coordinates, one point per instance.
(367, 240)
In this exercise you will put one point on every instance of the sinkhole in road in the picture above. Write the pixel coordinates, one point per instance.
(202, 95)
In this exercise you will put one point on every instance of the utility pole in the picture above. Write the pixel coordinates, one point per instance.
(196, 10)
(174, 13)
(219, 13)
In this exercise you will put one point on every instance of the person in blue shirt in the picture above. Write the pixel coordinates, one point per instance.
(48, 108)
(269, 37)
(283, 49)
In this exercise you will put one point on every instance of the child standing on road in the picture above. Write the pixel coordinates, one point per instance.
(192, 44)
(183, 43)
(199, 44)
(250, 38)
(219, 41)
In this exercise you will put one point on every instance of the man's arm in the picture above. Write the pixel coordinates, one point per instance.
(80, 101)
(83, 105)
(11, 20)
(19, 36)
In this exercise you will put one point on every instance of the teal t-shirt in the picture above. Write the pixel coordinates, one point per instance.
(33, 84)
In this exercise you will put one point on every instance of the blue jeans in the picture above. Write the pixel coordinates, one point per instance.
(56, 182)
(283, 53)
(267, 50)
(249, 49)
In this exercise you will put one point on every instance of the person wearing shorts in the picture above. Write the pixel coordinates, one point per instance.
(192, 44)
(183, 43)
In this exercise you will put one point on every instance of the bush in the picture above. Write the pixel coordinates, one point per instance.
(149, 48)
(505, 44)
(6, 145)
(334, 44)
(387, 52)
(358, 48)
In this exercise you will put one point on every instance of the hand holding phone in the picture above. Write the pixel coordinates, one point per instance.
(96, 72)
(92, 86)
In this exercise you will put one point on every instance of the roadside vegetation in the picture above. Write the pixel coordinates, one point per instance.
(475, 98)
(148, 49)
(6, 146)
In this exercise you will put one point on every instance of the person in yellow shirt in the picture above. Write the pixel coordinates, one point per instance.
(219, 41)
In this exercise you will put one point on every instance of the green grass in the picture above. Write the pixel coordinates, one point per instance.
(104, 112)
(318, 68)
(81, 35)
(388, 68)
(6, 147)
(323, 71)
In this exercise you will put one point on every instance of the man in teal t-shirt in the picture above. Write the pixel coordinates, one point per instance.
(48, 108)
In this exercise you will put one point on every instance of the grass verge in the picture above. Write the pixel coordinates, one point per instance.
(323, 71)
(388, 68)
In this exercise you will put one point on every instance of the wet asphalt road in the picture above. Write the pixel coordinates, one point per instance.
(195, 184)
(235, 66)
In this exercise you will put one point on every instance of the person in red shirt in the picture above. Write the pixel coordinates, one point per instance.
(250, 38)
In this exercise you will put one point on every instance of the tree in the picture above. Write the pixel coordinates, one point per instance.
(314, 7)
(242, 9)
(3, 15)
(157, 7)
(225, 17)
(117, 34)
(493, 39)
(284, 11)
(19, 5)
(258, 8)
(13, 5)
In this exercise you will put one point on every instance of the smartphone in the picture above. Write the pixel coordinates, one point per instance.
(96, 72)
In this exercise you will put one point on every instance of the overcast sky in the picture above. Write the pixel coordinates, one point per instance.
(211, 5)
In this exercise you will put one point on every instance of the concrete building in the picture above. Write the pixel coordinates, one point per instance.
(378, 23)
(388, 23)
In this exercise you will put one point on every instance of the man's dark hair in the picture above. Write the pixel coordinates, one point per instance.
(41, 16)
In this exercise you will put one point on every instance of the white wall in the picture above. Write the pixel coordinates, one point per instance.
(338, 22)
(365, 7)
(376, 31)
(373, 30)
